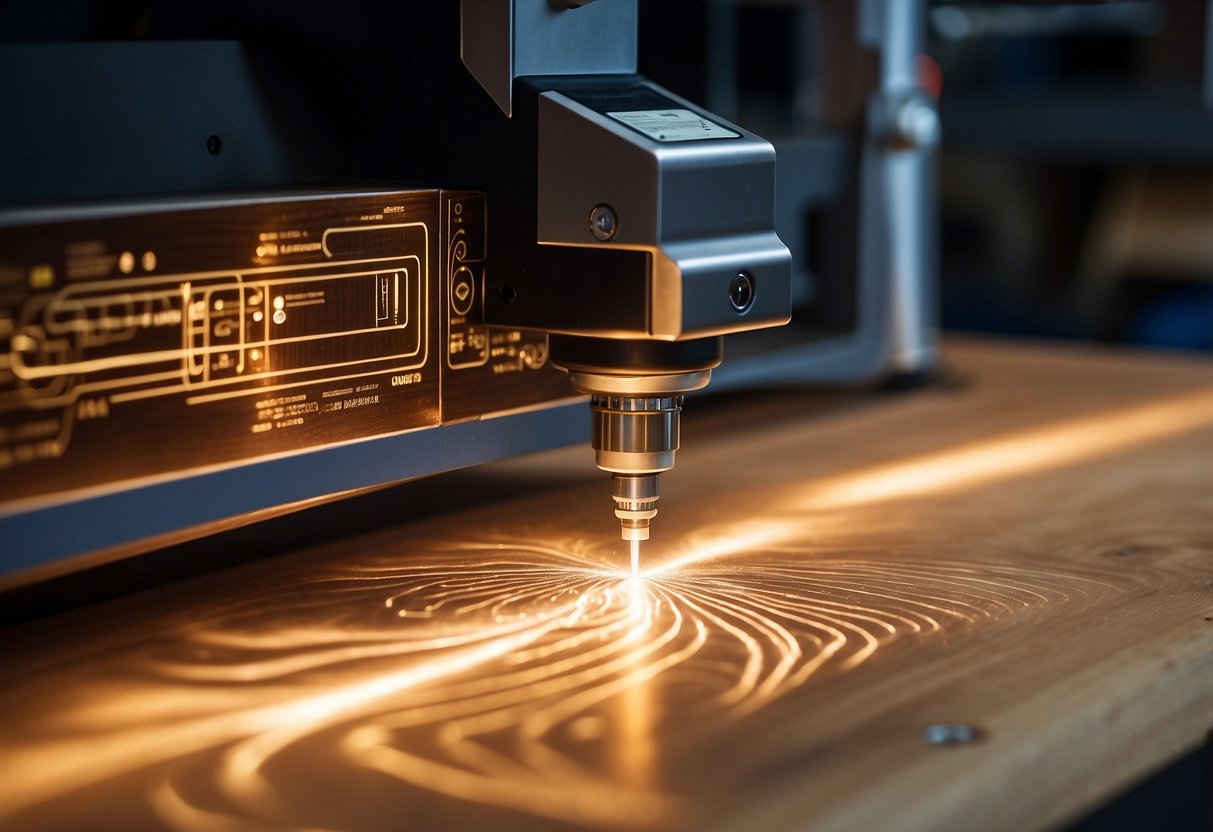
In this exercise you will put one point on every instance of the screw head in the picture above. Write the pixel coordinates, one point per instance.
(213, 145)
(741, 292)
(603, 222)
(950, 733)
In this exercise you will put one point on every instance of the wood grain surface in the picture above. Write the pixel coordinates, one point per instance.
(1026, 549)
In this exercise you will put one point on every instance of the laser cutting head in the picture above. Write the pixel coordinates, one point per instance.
(638, 229)
(634, 413)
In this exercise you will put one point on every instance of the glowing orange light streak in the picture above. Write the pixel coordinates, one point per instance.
(1026, 452)
(979, 463)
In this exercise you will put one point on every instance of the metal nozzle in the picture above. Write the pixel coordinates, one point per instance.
(635, 437)
(634, 433)
(635, 498)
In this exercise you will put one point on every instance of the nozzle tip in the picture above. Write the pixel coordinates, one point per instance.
(630, 529)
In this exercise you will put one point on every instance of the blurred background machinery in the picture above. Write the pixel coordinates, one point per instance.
(1076, 166)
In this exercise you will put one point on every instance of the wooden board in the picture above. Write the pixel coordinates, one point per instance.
(1028, 551)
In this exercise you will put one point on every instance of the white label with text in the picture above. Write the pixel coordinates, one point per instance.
(673, 125)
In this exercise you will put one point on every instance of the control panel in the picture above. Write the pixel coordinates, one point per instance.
(151, 342)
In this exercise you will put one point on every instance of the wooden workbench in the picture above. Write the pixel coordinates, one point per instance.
(1025, 551)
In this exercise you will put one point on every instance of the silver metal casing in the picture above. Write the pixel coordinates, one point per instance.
(703, 209)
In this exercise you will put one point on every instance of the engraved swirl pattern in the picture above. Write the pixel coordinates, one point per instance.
(513, 676)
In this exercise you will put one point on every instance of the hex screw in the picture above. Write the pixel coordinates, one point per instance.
(603, 222)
